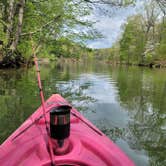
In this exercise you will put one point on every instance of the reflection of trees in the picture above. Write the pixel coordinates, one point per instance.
(17, 98)
(74, 91)
(112, 132)
(64, 79)
(81, 67)
(19, 95)
(143, 94)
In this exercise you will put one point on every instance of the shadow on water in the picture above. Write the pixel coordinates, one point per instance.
(127, 104)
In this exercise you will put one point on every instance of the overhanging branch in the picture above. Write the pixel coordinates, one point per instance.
(41, 28)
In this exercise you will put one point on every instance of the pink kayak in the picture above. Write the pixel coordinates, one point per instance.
(85, 145)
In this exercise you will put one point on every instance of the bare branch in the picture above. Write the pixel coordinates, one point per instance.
(162, 5)
(111, 2)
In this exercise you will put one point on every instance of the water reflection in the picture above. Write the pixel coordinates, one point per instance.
(145, 100)
(127, 104)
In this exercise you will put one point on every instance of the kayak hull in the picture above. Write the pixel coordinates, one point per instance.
(86, 146)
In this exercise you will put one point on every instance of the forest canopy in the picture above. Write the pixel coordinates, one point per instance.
(60, 24)
(143, 41)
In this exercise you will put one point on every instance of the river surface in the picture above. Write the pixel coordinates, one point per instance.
(127, 103)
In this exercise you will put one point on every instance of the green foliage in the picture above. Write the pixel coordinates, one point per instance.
(161, 47)
(132, 42)
(142, 43)
(57, 25)
(67, 48)
(143, 40)
(49, 22)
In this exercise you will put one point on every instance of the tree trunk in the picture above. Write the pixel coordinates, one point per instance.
(19, 25)
(4, 18)
(10, 20)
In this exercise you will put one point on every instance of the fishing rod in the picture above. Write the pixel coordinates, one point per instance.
(50, 146)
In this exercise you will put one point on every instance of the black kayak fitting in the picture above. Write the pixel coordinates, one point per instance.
(60, 123)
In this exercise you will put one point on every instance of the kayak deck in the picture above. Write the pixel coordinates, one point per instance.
(88, 146)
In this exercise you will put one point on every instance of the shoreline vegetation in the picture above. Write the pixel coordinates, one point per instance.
(52, 32)
(157, 64)
(87, 57)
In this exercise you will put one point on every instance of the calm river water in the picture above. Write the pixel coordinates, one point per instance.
(127, 103)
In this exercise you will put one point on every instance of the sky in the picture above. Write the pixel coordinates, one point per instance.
(111, 27)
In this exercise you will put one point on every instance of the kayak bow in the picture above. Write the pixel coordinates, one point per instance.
(75, 140)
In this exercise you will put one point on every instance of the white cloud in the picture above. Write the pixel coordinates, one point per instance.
(110, 27)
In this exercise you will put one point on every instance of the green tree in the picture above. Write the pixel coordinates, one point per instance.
(46, 21)
(133, 41)
(143, 40)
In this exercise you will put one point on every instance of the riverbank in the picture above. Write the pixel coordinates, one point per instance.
(155, 64)
(46, 60)
(43, 61)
